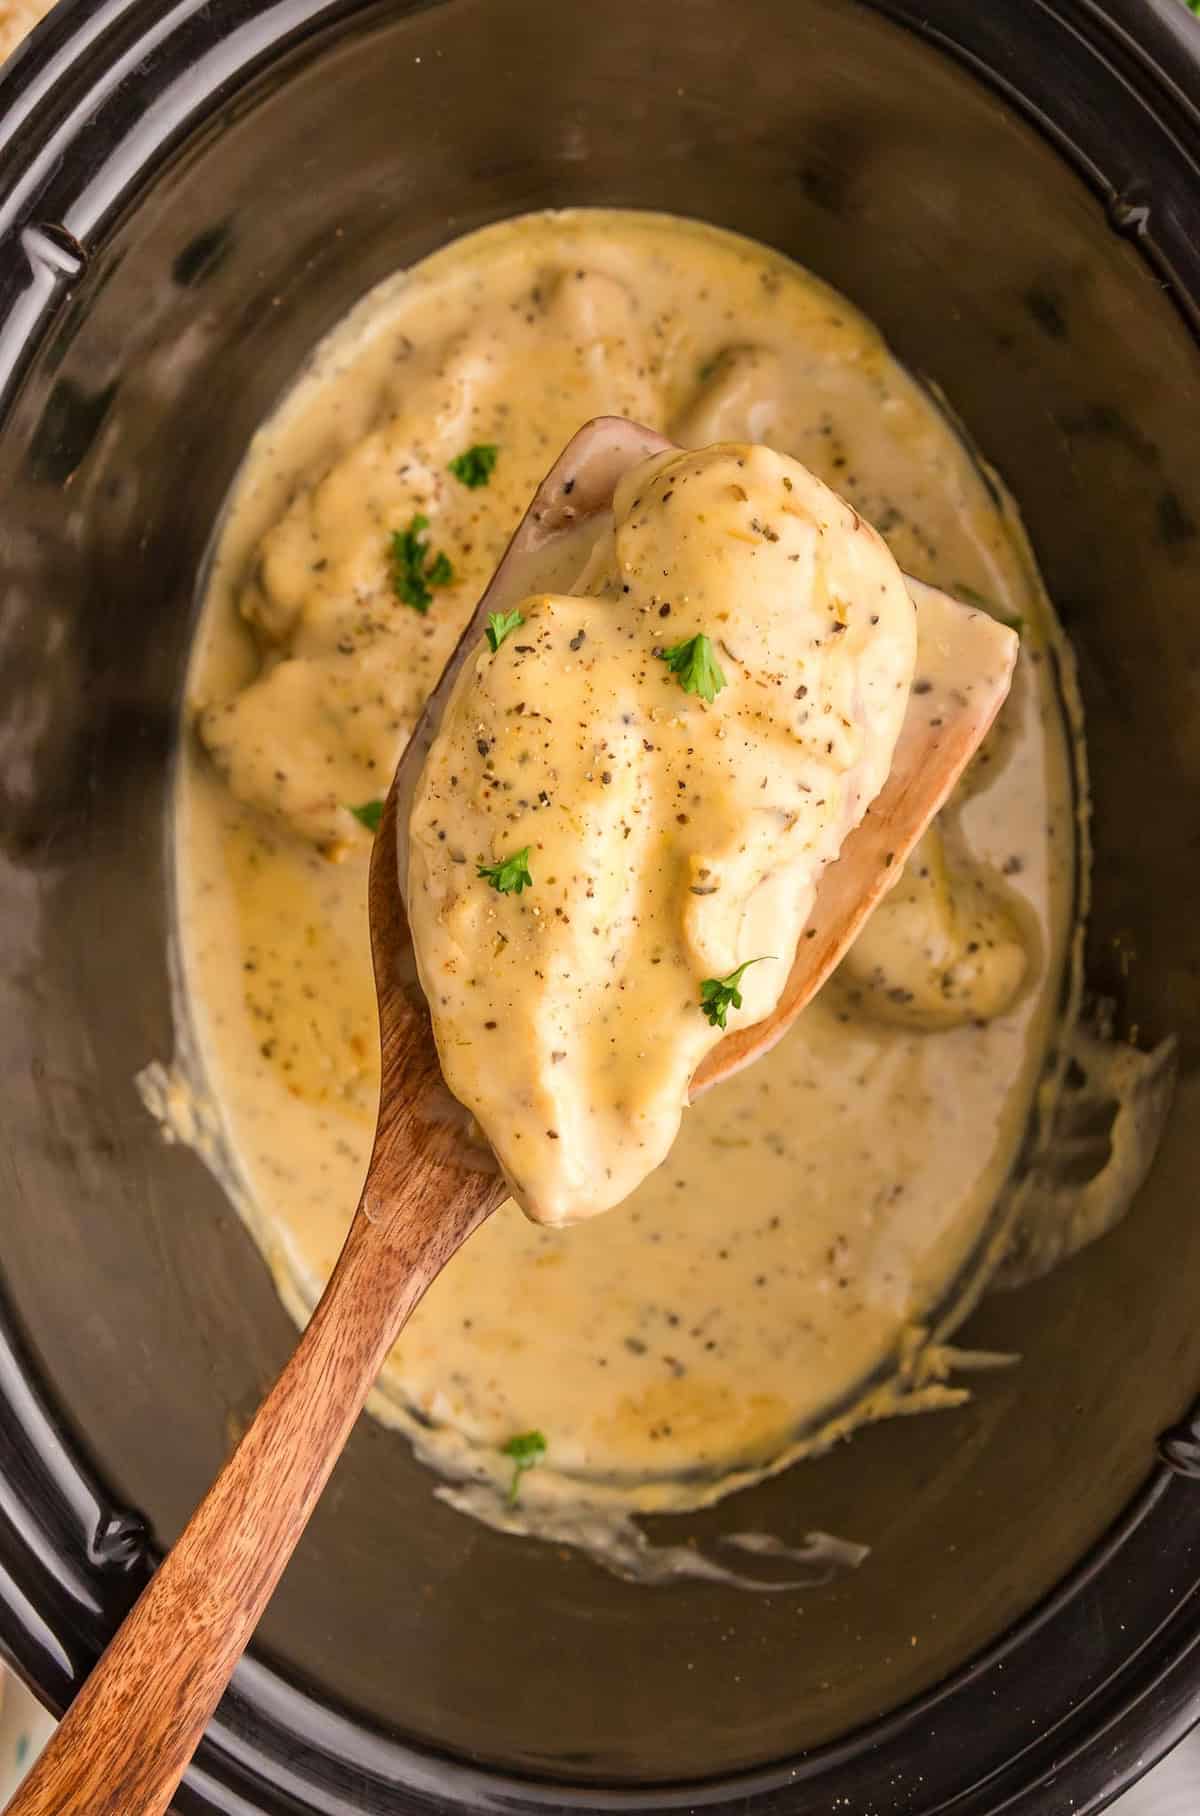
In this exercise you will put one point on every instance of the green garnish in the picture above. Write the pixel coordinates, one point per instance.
(476, 466)
(411, 577)
(698, 669)
(499, 625)
(720, 994)
(369, 814)
(525, 1450)
(511, 875)
(970, 596)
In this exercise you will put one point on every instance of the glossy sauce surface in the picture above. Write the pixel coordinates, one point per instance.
(819, 1213)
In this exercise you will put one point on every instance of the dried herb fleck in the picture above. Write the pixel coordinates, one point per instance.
(500, 625)
(414, 571)
(509, 876)
(525, 1451)
(369, 814)
(720, 994)
(694, 662)
(475, 466)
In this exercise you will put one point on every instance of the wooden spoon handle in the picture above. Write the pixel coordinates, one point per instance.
(124, 1743)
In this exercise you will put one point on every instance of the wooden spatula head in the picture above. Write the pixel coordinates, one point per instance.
(965, 662)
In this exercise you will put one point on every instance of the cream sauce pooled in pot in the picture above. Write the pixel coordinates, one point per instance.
(823, 1218)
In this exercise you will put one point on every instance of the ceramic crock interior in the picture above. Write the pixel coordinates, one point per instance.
(829, 133)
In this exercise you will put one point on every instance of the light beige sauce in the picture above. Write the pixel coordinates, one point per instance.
(824, 1217)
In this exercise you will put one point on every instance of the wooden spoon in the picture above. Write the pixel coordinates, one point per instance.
(127, 1738)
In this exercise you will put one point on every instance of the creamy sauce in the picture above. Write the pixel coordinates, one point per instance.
(677, 818)
(825, 1217)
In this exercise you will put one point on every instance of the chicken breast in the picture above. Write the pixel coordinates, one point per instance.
(619, 829)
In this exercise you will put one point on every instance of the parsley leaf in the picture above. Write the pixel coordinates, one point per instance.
(499, 625)
(698, 669)
(720, 994)
(511, 875)
(526, 1449)
(476, 466)
(411, 578)
(369, 814)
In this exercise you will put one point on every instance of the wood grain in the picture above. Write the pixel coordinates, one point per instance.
(127, 1738)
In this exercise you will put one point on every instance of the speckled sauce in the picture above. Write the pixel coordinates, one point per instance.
(823, 1218)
